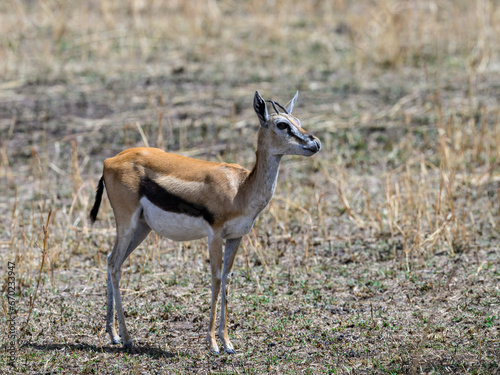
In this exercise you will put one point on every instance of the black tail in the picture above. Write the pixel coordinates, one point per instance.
(97, 203)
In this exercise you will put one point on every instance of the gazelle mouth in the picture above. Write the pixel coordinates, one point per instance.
(315, 148)
(311, 149)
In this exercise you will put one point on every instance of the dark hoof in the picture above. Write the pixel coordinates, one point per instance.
(128, 345)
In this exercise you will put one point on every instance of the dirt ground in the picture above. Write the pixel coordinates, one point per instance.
(379, 255)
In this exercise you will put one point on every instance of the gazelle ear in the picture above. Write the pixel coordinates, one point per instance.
(259, 105)
(291, 103)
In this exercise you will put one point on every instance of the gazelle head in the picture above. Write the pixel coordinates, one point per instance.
(281, 132)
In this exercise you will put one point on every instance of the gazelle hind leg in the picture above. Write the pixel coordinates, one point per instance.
(229, 255)
(215, 250)
(123, 247)
(140, 234)
(110, 316)
(115, 261)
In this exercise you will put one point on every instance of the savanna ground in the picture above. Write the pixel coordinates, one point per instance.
(378, 255)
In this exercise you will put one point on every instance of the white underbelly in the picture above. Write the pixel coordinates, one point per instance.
(177, 227)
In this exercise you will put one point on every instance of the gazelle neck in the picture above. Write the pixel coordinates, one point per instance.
(261, 181)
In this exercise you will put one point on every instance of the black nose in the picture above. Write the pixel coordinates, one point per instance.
(316, 142)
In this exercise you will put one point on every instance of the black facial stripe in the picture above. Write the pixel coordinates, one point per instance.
(292, 131)
(171, 202)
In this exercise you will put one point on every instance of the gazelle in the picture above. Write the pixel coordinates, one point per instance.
(186, 199)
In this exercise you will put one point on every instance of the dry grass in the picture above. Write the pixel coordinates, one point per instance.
(379, 255)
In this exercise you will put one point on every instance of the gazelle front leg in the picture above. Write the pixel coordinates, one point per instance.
(215, 251)
(229, 255)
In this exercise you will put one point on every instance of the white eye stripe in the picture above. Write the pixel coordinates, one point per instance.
(296, 131)
(292, 128)
(282, 119)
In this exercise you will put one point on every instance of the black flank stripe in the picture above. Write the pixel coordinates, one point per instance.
(171, 202)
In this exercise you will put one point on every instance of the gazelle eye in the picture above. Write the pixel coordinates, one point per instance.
(282, 125)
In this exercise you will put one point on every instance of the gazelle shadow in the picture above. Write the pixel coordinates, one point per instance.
(149, 351)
